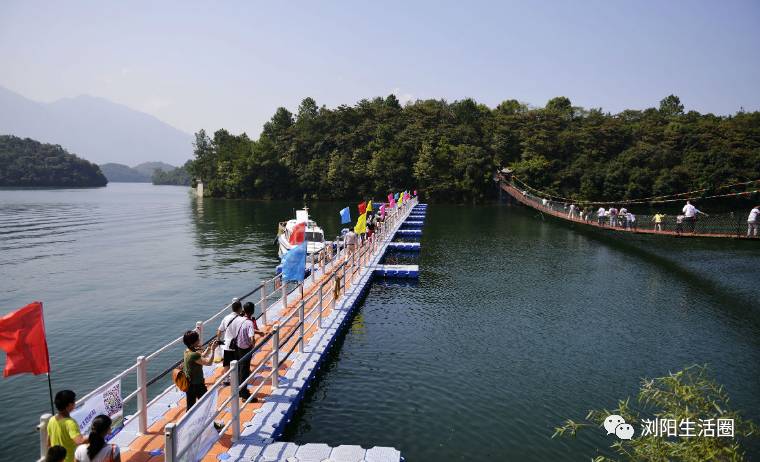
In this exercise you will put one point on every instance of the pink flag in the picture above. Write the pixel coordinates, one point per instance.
(391, 201)
(382, 211)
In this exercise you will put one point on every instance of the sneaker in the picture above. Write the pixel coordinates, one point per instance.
(218, 426)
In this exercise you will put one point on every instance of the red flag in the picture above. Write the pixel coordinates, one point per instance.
(297, 235)
(22, 337)
(362, 208)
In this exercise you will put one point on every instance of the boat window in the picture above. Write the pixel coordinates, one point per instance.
(314, 237)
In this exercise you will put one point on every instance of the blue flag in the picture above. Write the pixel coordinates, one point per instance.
(345, 216)
(294, 263)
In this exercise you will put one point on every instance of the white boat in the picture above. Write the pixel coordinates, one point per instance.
(315, 237)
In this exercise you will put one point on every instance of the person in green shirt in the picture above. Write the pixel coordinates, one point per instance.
(61, 428)
(193, 363)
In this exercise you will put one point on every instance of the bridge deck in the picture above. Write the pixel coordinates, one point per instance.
(518, 195)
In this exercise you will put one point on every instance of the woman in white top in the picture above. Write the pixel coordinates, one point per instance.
(98, 450)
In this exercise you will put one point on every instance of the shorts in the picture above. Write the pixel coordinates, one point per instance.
(229, 356)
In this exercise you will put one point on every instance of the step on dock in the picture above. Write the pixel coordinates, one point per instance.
(397, 271)
(289, 452)
(405, 246)
(409, 232)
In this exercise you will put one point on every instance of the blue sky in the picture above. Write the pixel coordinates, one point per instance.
(231, 64)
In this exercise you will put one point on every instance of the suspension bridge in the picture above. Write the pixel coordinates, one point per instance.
(731, 225)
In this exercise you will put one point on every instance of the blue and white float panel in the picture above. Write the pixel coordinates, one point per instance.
(404, 246)
(397, 271)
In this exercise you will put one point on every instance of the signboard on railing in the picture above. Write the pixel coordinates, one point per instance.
(192, 438)
(106, 400)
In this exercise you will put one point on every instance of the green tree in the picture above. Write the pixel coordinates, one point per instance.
(690, 394)
(671, 106)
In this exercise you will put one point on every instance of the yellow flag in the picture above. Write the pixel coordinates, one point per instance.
(369, 206)
(361, 224)
(400, 198)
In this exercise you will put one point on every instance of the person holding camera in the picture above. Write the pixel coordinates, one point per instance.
(193, 363)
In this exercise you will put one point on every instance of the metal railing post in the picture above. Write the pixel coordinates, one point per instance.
(142, 395)
(199, 328)
(263, 302)
(44, 435)
(300, 326)
(320, 306)
(169, 442)
(275, 356)
(313, 277)
(234, 400)
(284, 295)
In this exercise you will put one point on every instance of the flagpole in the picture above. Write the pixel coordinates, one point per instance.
(50, 389)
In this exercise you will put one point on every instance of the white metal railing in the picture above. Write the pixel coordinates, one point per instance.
(349, 264)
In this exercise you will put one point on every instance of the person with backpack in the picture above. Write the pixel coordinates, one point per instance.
(245, 342)
(228, 330)
(192, 365)
(98, 450)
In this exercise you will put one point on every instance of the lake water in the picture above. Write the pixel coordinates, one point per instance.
(515, 325)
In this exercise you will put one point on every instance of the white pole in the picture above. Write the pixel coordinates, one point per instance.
(169, 448)
(234, 401)
(263, 302)
(199, 328)
(142, 395)
(320, 305)
(43, 434)
(275, 356)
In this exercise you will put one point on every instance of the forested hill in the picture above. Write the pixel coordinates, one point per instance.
(26, 162)
(449, 151)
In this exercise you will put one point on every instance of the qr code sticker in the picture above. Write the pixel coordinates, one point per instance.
(112, 400)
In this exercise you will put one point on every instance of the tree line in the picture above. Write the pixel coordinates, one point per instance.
(25, 162)
(449, 151)
(177, 177)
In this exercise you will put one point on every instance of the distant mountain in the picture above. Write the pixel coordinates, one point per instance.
(94, 128)
(26, 162)
(149, 168)
(120, 173)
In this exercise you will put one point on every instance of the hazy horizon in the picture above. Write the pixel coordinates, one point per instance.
(195, 65)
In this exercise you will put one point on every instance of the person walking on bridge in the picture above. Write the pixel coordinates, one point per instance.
(245, 341)
(226, 333)
(600, 216)
(690, 215)
(613, 216)
(752, 221)
(657, 219)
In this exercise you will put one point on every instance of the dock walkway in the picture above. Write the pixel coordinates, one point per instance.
(296, 337)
